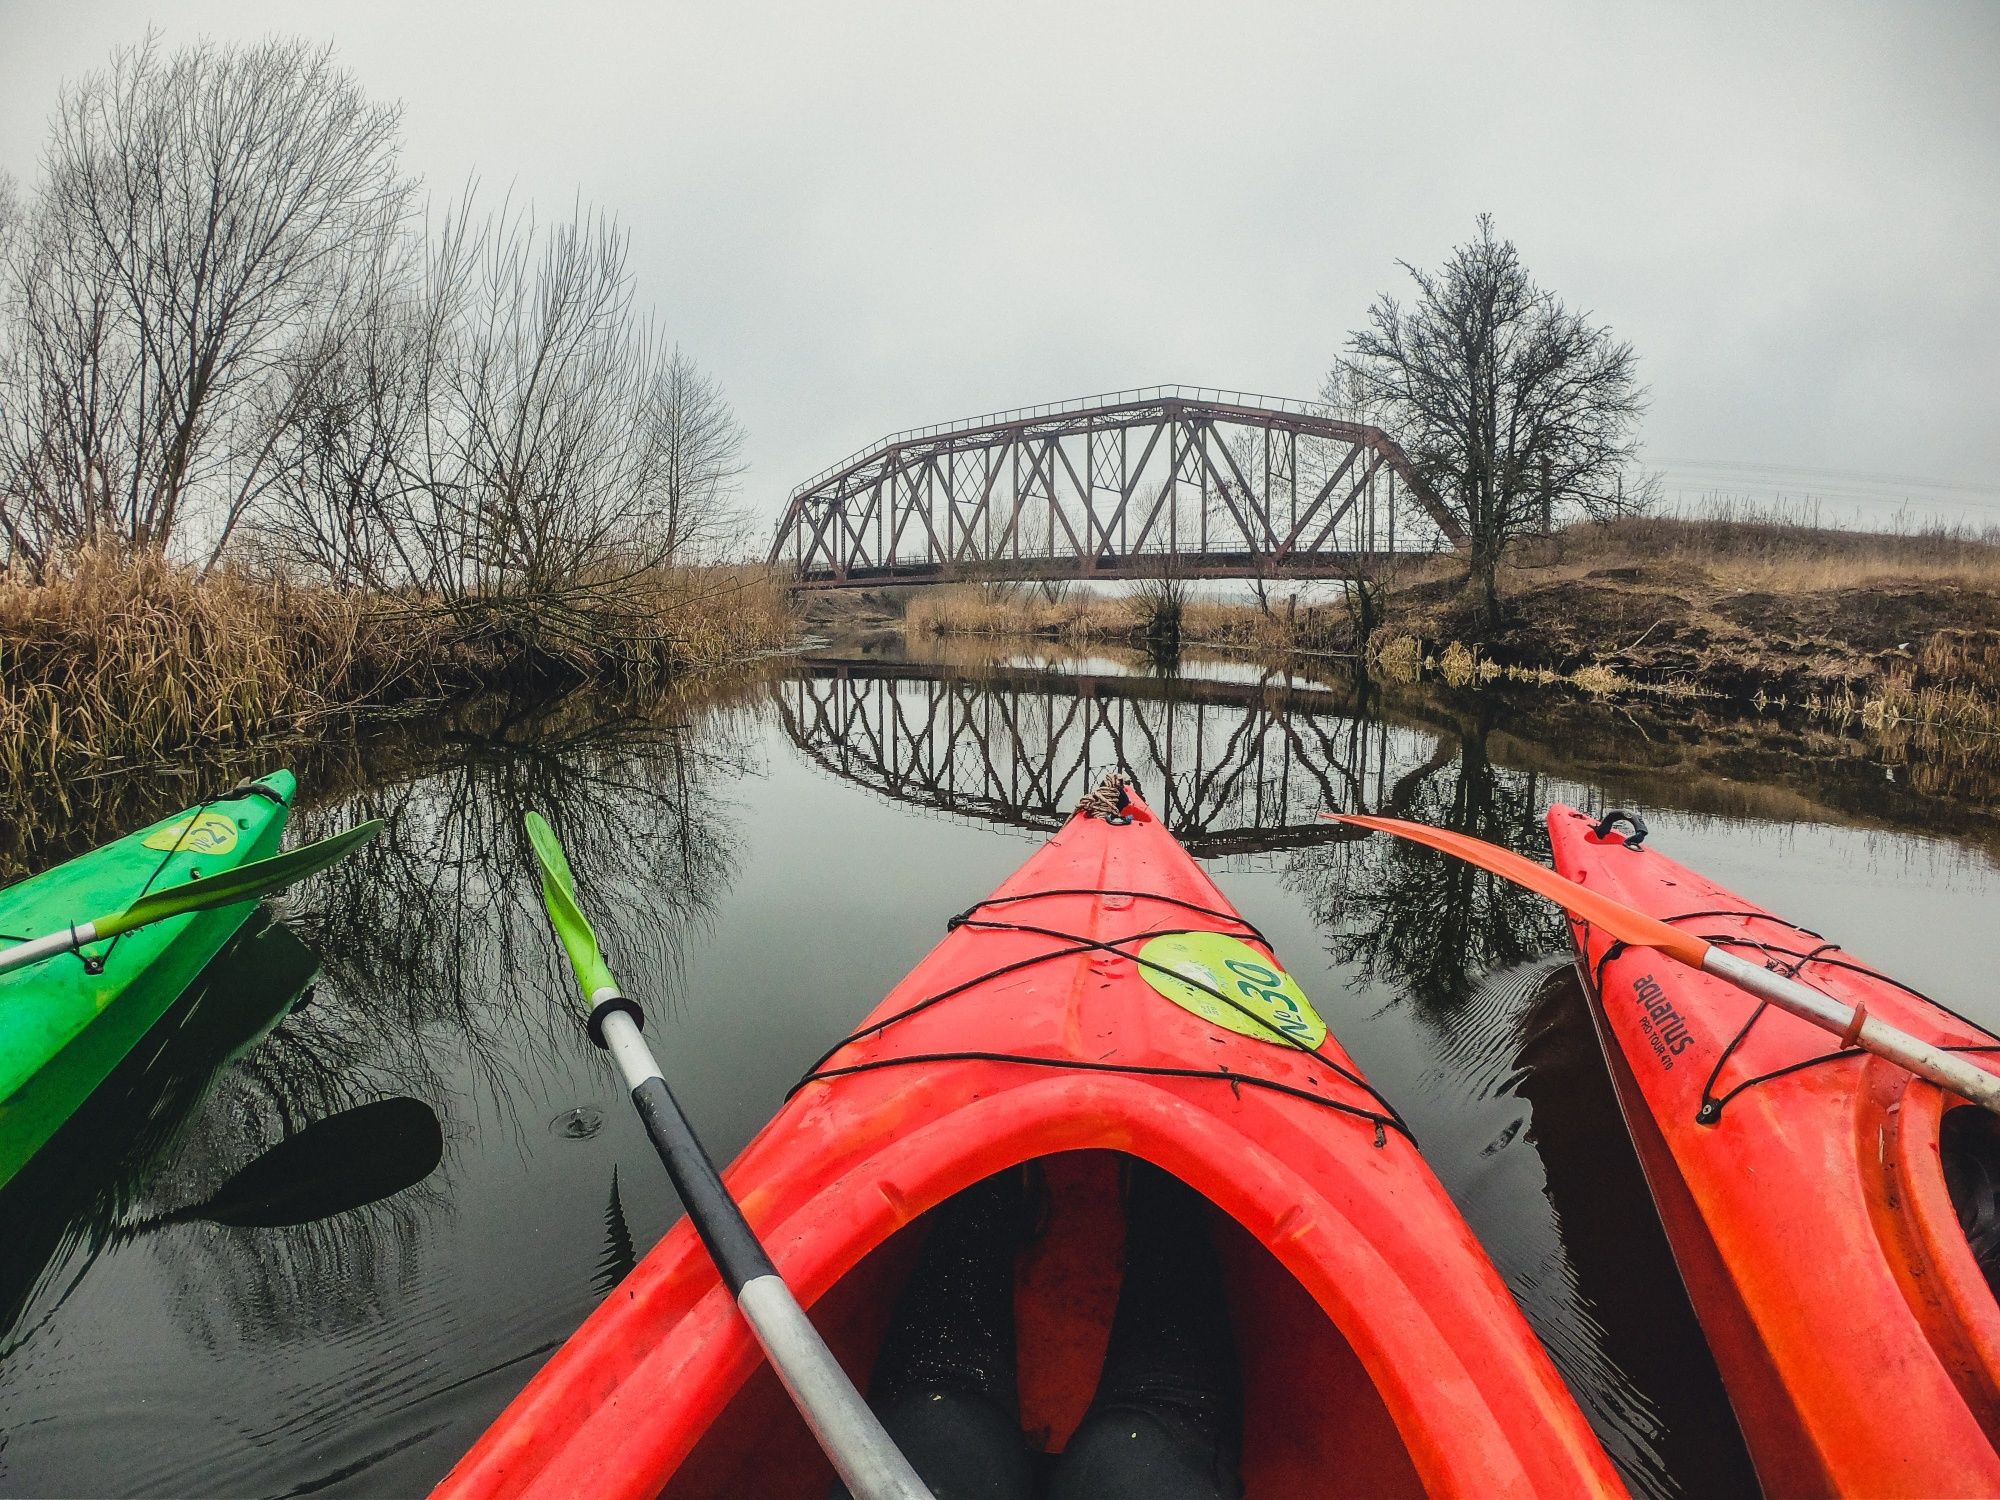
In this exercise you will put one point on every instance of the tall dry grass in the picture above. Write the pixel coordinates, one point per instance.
(128, 659)
(1952, 682)
(1002, 609)
(1774, 552)
(707, 618)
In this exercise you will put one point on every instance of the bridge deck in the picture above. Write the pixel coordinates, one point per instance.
(1144, 565)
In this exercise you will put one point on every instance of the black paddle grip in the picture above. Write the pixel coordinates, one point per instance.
(735, 1250)
(612, 1005)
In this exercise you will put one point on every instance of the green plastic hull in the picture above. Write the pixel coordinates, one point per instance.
(63, 1029)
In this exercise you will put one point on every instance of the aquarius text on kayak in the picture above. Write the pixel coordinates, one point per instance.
(1666, 1032)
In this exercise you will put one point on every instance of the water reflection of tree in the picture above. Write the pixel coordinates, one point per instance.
(1414, 918)
(437, 961)
(434, 932)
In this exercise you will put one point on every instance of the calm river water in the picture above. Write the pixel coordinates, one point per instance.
(768, 859)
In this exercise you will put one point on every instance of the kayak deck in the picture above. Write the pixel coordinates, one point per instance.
(1069, 1017)
(1803, 1187)
(63, 1027)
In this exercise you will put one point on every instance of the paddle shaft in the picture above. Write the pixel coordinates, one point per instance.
(243, 884)
(849, 1432)
(1636, 929)
(36, 949)
(1925, 1059)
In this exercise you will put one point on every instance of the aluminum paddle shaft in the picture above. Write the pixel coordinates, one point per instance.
(848, 1432)
(1855, 1028)
(36, 949)
(845, 1427)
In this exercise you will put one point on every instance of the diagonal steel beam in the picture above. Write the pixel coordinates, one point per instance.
(1354, 494)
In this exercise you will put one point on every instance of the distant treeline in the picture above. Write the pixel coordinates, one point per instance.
(234, 331)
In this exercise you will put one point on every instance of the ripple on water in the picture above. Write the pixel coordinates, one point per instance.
(577, 1124)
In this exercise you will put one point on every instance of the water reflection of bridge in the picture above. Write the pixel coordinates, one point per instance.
(1233, 766)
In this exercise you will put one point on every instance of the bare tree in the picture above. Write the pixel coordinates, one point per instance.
(1515, 408)
(350, 407)
(701, 457)
(218, 325)
(10, 211)
(193, 212)
(484, 416)
(546, 461)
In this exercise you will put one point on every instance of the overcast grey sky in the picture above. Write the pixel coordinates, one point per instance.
(868, 217)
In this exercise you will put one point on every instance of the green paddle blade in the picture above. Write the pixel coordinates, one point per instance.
(244, 883)
(579, 940)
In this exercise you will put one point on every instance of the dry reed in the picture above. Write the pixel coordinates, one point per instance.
(1000, 609)
(122, 659)
(1765, 551)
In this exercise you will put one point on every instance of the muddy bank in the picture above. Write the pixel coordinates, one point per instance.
(1879, 629)
(1910, 648)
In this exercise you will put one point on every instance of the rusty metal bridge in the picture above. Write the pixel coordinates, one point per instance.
(1171, 480)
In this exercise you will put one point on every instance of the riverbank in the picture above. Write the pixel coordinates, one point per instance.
(122, 661)
(1873, 627)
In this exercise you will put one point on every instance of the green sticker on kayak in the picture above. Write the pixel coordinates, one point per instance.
(1262, 1001)
(204, 833)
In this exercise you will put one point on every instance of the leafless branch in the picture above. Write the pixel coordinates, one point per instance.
(1515, 408)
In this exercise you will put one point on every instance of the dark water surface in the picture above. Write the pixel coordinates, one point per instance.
(767, 861)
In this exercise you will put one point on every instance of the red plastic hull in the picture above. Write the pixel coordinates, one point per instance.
(1856, 1335)
(1351, 1271)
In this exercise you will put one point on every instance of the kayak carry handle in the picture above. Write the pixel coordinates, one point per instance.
(1631, 820)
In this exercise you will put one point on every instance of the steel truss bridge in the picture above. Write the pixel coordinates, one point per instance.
(1232, 767)
(1170, 480)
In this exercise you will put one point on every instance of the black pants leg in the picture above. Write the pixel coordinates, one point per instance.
(1167, 1420)
(1166, 1423)
(944, 1381)
(965, 1445)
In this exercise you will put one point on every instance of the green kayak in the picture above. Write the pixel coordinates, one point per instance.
(63, 1027)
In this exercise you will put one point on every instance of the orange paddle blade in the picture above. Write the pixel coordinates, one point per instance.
(1616, 918)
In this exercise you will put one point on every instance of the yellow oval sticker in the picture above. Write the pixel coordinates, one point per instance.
(1230, 984)
(204, 833)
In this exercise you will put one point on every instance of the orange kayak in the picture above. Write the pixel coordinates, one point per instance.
(1106, 1003)
(1819, 1200)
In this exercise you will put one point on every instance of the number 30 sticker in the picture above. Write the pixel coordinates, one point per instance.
(1262, 1002)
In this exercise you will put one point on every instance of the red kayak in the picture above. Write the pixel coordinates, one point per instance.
(1819, 1200)
(1106, 1003)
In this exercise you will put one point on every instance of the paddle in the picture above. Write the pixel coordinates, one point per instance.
(861, 1451)
(1854, 1027)
(244, 883)
(346, 1161)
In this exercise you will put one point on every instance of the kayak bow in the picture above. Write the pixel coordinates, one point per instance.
(250, 882)
(66, 1023)
(1106, 1003)
(1851, 1023)
(1817, 1198)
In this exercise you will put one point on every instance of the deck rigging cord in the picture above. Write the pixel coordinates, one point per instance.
(1108, 802)
(1791, 963)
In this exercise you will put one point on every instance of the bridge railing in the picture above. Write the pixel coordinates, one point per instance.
(1137, 396)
